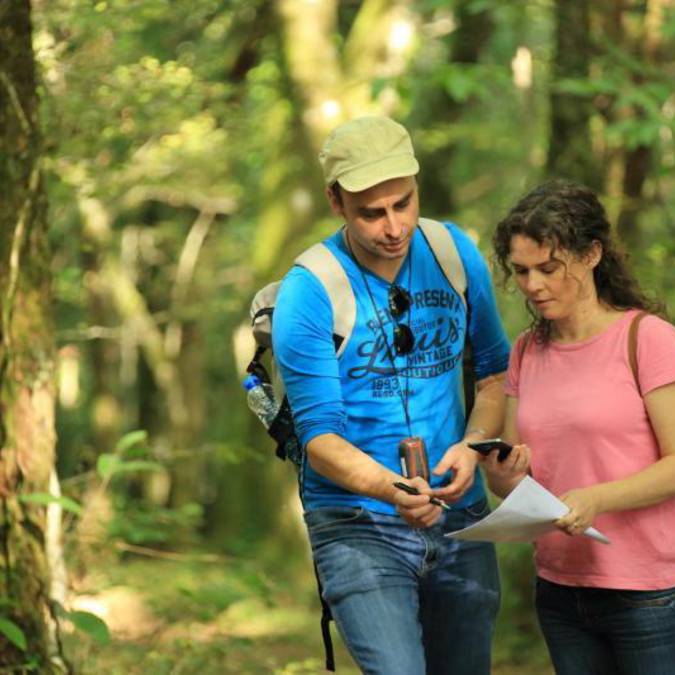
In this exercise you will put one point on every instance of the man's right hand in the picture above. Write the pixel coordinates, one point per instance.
(416, 510)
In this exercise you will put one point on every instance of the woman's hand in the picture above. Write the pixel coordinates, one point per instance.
(584, 506)
(515, 465)
(504, 476)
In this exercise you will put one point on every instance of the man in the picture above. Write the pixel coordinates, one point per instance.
(406, 599)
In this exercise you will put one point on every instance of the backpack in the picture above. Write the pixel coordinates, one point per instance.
(319, 260)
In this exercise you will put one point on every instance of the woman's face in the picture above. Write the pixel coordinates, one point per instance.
(555, 282)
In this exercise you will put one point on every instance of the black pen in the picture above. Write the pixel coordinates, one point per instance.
(414, 491)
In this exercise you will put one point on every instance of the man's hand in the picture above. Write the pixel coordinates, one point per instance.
(461, 459)
(416, 510)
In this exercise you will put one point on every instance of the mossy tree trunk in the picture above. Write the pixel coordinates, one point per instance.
(27, 434)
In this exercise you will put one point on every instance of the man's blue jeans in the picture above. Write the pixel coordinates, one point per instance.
(597, 631)
(408, 601)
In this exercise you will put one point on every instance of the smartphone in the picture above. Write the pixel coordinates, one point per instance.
(487, 446)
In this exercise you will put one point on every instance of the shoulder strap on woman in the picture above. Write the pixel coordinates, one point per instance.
(525, 338)
(632, 347)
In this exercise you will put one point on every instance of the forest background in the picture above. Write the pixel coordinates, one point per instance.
(157, 166)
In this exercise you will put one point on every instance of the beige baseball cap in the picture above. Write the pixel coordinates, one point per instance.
(366, 151)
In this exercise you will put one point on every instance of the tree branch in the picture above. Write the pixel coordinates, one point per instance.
(184, 274)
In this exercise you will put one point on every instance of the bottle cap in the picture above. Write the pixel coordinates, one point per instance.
(250, 382)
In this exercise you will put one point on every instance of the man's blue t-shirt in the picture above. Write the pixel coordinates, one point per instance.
(358, 395)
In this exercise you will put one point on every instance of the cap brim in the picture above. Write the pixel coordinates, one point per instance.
(378, 172)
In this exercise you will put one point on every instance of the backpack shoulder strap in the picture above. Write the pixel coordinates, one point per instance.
(321, 262)
(445, 251)
(261, 310)
(632, 347)
(524, 340)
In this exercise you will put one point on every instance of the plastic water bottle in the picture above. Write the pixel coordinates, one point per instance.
(261, 399)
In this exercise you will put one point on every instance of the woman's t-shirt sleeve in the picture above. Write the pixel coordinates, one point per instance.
(655, 353)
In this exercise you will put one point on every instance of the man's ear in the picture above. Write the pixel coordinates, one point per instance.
(335, 204)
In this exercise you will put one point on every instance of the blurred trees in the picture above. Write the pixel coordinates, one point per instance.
(180, 165)
(611, 101)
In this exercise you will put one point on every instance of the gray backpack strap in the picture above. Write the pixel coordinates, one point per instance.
(443, 247)
(319, 260)
(261, 313)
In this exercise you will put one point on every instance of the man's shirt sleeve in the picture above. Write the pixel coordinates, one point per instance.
(488, 340)
(302, 341)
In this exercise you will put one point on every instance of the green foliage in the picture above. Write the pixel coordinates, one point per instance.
(108, 465)
(465, 81)
(129, 440)
(89, 623)
(140, 523)
(44, 499)
(518, 638)
(13, 633)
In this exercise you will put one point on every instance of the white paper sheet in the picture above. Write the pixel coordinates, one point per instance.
(526, 513)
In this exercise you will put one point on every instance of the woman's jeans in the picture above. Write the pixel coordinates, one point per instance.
(408, 601)
(598, 631)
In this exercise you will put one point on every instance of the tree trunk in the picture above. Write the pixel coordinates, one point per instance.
(570, 154)
(27, 434)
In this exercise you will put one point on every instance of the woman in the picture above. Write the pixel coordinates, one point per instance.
(602, 441)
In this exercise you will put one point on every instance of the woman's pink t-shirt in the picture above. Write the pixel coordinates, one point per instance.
(580, 412)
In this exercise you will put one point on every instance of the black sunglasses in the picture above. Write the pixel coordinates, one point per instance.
(399, 303)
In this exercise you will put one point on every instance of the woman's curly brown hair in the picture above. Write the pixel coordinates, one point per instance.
(569, 216)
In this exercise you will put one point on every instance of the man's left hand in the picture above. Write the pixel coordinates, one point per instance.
(461, 460)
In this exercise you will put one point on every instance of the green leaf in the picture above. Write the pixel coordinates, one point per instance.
(13, 633)
(44, 498)
(459, 85)
(91, 624)
(108, 465)
(129, 440)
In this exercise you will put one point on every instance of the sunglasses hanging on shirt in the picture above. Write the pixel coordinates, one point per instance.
(399, 301)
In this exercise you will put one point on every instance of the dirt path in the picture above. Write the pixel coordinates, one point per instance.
(172, 618)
